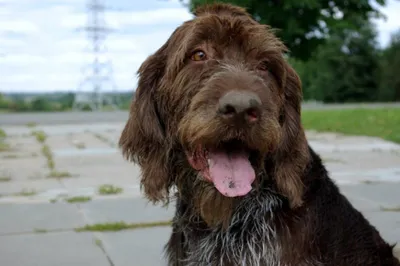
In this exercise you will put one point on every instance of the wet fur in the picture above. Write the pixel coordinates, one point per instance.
(295, 214)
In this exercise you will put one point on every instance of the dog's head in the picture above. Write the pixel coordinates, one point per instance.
(219, 98)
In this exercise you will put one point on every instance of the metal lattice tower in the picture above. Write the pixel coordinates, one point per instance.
(100, 72)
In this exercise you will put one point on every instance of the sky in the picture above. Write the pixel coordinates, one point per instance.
(42, 48)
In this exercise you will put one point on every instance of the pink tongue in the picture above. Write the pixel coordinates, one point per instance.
(232, 174)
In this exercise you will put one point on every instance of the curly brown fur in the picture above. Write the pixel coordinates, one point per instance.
(292, 214)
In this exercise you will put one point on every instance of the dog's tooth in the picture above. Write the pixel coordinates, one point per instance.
(208, 161)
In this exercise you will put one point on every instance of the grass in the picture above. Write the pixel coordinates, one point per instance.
(381, 122)
(80, 146)
(39, 231)
(119, 226)
(98, 242)
(40, 135)
(5, 179)
(49, 156)
(390, 209)
(78, 199)
(2, 134)
(57, 174)
(26, 193)
(31, 124)
(109, 190)
(4, 146)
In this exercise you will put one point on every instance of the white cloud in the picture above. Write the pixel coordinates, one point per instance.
(391, 23)
(19, 26)
(122, 19)
(48, 53)
(21, 59)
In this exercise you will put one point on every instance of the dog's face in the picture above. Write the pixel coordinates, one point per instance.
(220, 93)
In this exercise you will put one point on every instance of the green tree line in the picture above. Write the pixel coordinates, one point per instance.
(58, 102)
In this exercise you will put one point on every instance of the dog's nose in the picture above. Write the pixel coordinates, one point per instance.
(239, 105)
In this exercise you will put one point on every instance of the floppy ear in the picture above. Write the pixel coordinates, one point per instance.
(143, 138)
(293, 154)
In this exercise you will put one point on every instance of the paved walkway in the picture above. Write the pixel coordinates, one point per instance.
(37, 223)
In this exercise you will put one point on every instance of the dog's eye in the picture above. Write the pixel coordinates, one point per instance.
(198, 55)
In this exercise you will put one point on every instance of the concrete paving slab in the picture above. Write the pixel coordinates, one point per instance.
(91, 157)
(25, 168)
(24, 145)
(93, 183)
(59, 142)
(387, 223)
(137, 247)
(379, 194)
(371, 200)
(51, 249)
(129, 210)
(21, 218)
(350, 160)
(38, 186)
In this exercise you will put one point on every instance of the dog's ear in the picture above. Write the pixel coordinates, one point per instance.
(143, 139)
(293, 154)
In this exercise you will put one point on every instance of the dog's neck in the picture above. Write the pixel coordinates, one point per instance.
(243, 241)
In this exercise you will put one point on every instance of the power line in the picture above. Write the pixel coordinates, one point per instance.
(101, 72)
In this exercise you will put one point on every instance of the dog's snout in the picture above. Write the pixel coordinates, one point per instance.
(239, 105)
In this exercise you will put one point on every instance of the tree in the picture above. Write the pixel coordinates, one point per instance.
(345, 69)
(41, 104)
(305, 25)
(67, 101)
(389, 70)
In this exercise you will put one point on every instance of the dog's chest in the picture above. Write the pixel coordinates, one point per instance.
(251, 239)
(242, 249)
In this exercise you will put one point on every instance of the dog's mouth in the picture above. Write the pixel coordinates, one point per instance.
(229, 166)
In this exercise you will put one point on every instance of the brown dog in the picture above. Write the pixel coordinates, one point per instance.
(217, 115)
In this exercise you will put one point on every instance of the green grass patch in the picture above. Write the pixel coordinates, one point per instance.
(5, 178)
(57, 174)
(3, 134)
(4, 146)
(98, 242)
(39, 231)
(119, 226)
(381, 122)
(78, 199)
(390, 209)
(109, 190)
(26, 193)
(39, 135)
(31, 124)
(49, 156)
